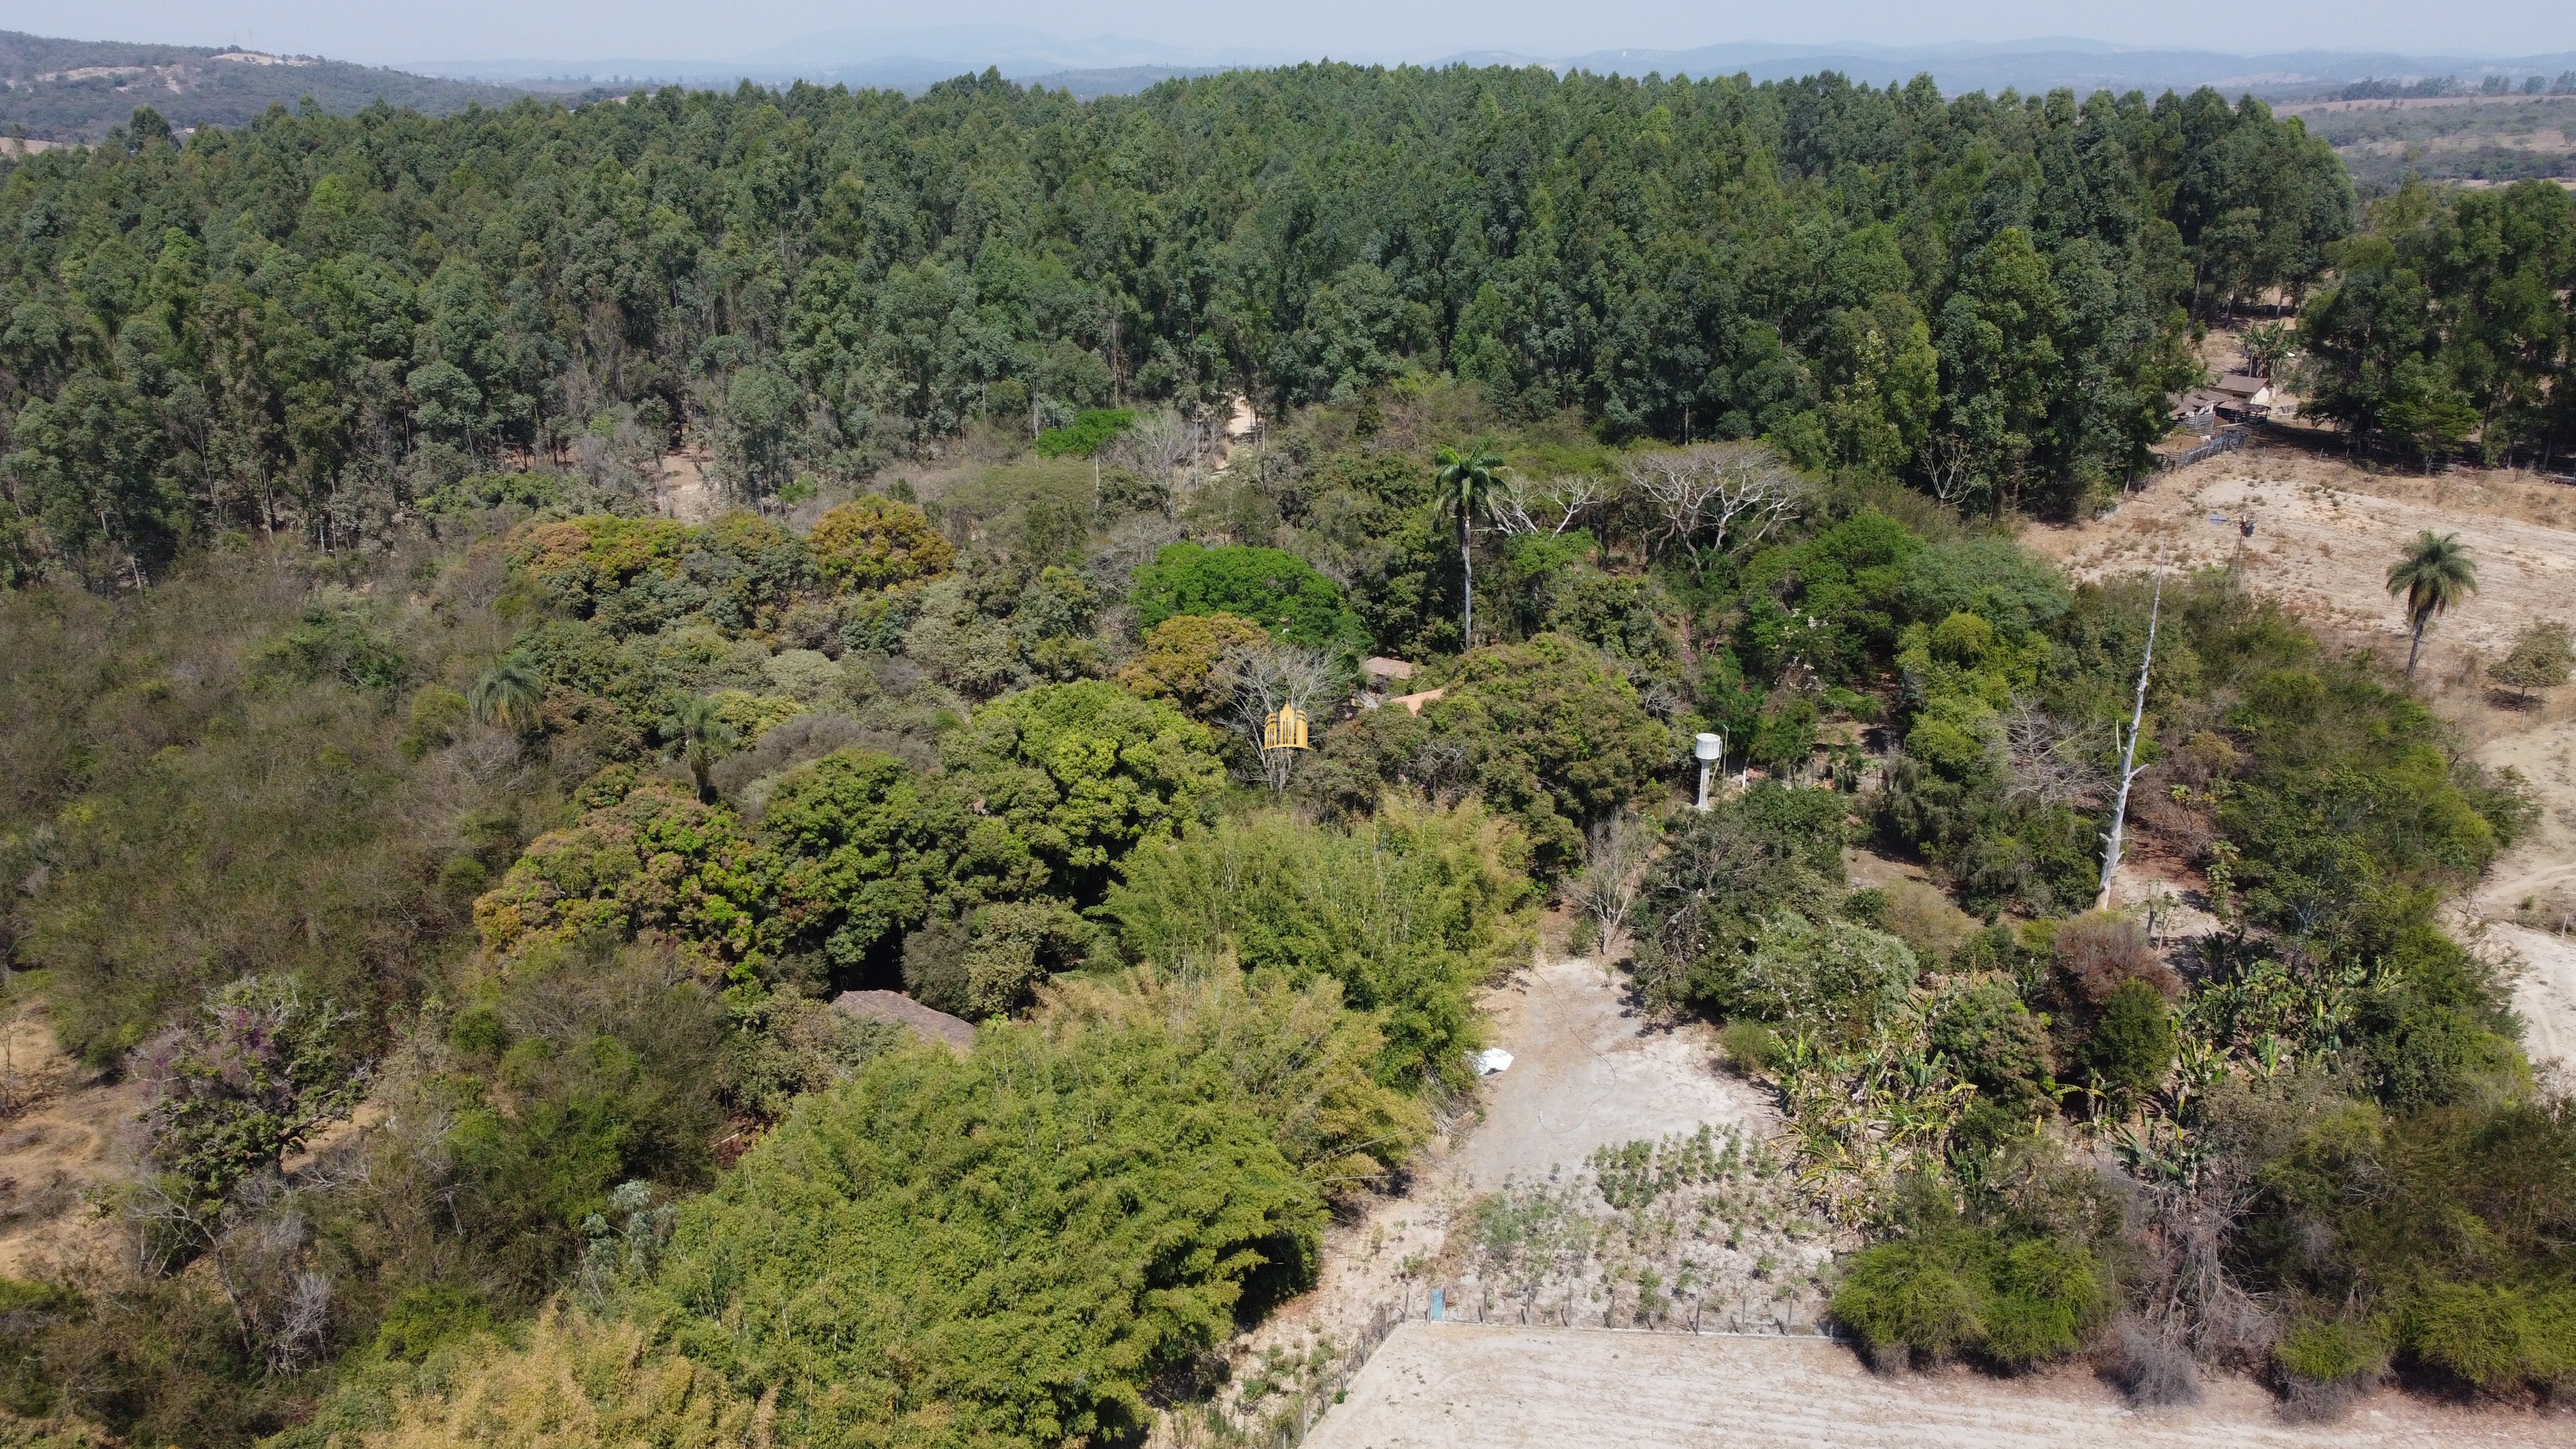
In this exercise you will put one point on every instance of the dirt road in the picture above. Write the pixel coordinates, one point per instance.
(1451, 1384)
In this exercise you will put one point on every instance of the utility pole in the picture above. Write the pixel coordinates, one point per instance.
(2129, 753)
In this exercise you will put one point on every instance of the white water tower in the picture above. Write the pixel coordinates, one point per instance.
(1708, 750)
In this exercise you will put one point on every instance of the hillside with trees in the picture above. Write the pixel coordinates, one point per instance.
(81, 90)
(462, 849)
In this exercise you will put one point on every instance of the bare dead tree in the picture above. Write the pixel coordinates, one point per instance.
(1733, 494)
(1946, 462)
(2129, 751)
(2043, 762)
(1615, 853)
(1157, 446)
(1517, 508)
(1266, 678)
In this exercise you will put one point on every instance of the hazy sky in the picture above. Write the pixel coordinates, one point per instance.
(1359, 29)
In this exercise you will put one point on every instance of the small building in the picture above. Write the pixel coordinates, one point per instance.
(2197, 410)
(1413, 703)
(927, 1023)
(1379, 672)
(2245, 397)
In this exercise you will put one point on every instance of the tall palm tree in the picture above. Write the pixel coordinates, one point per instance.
(699, 737)
(1466, 481)
(2432, 574)
(509, 693)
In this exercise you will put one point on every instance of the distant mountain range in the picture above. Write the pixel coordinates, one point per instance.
(912, 59)
(78, 90)
(75, 90)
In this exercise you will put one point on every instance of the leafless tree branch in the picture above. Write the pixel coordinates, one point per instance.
(1730, 494)
(1267, 677)
(1518, 508)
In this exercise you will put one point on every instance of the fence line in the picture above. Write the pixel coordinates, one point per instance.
(2226, 440)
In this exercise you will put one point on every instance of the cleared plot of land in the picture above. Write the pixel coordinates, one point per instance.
(2325, 533)
(1453, 1384)
(1588, 1071)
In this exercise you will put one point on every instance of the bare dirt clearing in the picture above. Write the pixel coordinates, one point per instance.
(2528, 899)
(2325, 533)
(60, 1143)
(1589, 1071)
(1446, 1384)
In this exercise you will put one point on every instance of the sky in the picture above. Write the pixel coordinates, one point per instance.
(388, 34)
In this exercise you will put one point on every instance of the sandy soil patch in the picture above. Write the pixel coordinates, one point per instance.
(62, 1142)
(1588, 1070)
(2325, 533)
(2529, 896)
(682, 490)
(1448, 1384)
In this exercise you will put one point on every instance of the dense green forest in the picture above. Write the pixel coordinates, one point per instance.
(376, 749)
(311, 321)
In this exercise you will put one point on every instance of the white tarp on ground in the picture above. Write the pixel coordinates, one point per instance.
(1491, 1060)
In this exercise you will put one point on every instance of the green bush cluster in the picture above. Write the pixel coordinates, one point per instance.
(1548, 732)
(1410, 912)
(1086, 434)
(1005, 1248)
(1967, 1291)
(1043, 794)
(1271, 587)
(2437, 1236)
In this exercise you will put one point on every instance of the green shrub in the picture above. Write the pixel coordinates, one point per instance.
(1912, 1294)
(2048, 1296)
(1723, 870)
(1831, 979)
(1993, 1040)
(1008, 1248)
(1411, 911)
(1270, 587)
(1970, 1290)
(2331, 1351)
(495, 490)
(1087, 434)
(2492, 1335)
(420, 1319)
(1751, 1046)
(2131, 1046)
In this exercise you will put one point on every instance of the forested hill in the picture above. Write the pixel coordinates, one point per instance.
(78, 90)
(315, 317)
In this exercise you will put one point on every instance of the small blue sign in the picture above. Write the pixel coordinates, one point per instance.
(1439, 1303)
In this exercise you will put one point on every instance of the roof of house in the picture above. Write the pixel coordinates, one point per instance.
(2239, 384)
(894, 1006)
(1413, 703)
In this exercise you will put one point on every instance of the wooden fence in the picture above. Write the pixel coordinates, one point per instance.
(2226, 440)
